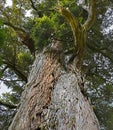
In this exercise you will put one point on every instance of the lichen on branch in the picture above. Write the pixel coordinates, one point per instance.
(79, 30)
(91, 15)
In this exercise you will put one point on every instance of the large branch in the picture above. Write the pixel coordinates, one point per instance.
(16, 70)
(14, 27)
(91, 15)
(75, 26)
(26, 39)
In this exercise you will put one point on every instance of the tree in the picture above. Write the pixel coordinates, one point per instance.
(37, 114)
(65, 55)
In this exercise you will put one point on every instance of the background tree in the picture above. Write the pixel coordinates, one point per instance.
(28, 35)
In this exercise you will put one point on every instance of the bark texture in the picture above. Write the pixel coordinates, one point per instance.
(53, 100)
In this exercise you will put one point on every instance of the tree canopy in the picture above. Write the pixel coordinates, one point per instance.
(22, 36)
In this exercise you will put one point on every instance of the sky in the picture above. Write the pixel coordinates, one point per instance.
(8, 2)
(3, 88)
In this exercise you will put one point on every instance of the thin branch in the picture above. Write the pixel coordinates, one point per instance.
(4, 69)
(4, 14)
(16, 70)
(9, 80)
(39, 12)
(33, 6)
(8, 105)
(99, 51)
(8, 23)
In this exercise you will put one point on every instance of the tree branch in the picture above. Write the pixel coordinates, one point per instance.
(91, 15)
(4, 69)
(8, 105)
(75, 26)
(99, 51)
(16, 70)
(39, 12)
(9, 80)
(33, 6)
(14, 27)
(26, 39)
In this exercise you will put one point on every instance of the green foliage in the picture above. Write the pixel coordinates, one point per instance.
(42, 31)
(24, 59)
(1, 61)
(2, 34)
(44, 25)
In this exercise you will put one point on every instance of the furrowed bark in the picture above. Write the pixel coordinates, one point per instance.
(53, 100)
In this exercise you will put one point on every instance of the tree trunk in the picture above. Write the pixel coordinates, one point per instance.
(53, 100)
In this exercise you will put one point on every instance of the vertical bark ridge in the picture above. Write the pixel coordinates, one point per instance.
(52, 100)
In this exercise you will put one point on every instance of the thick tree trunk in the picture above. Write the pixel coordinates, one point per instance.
(53, 100)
